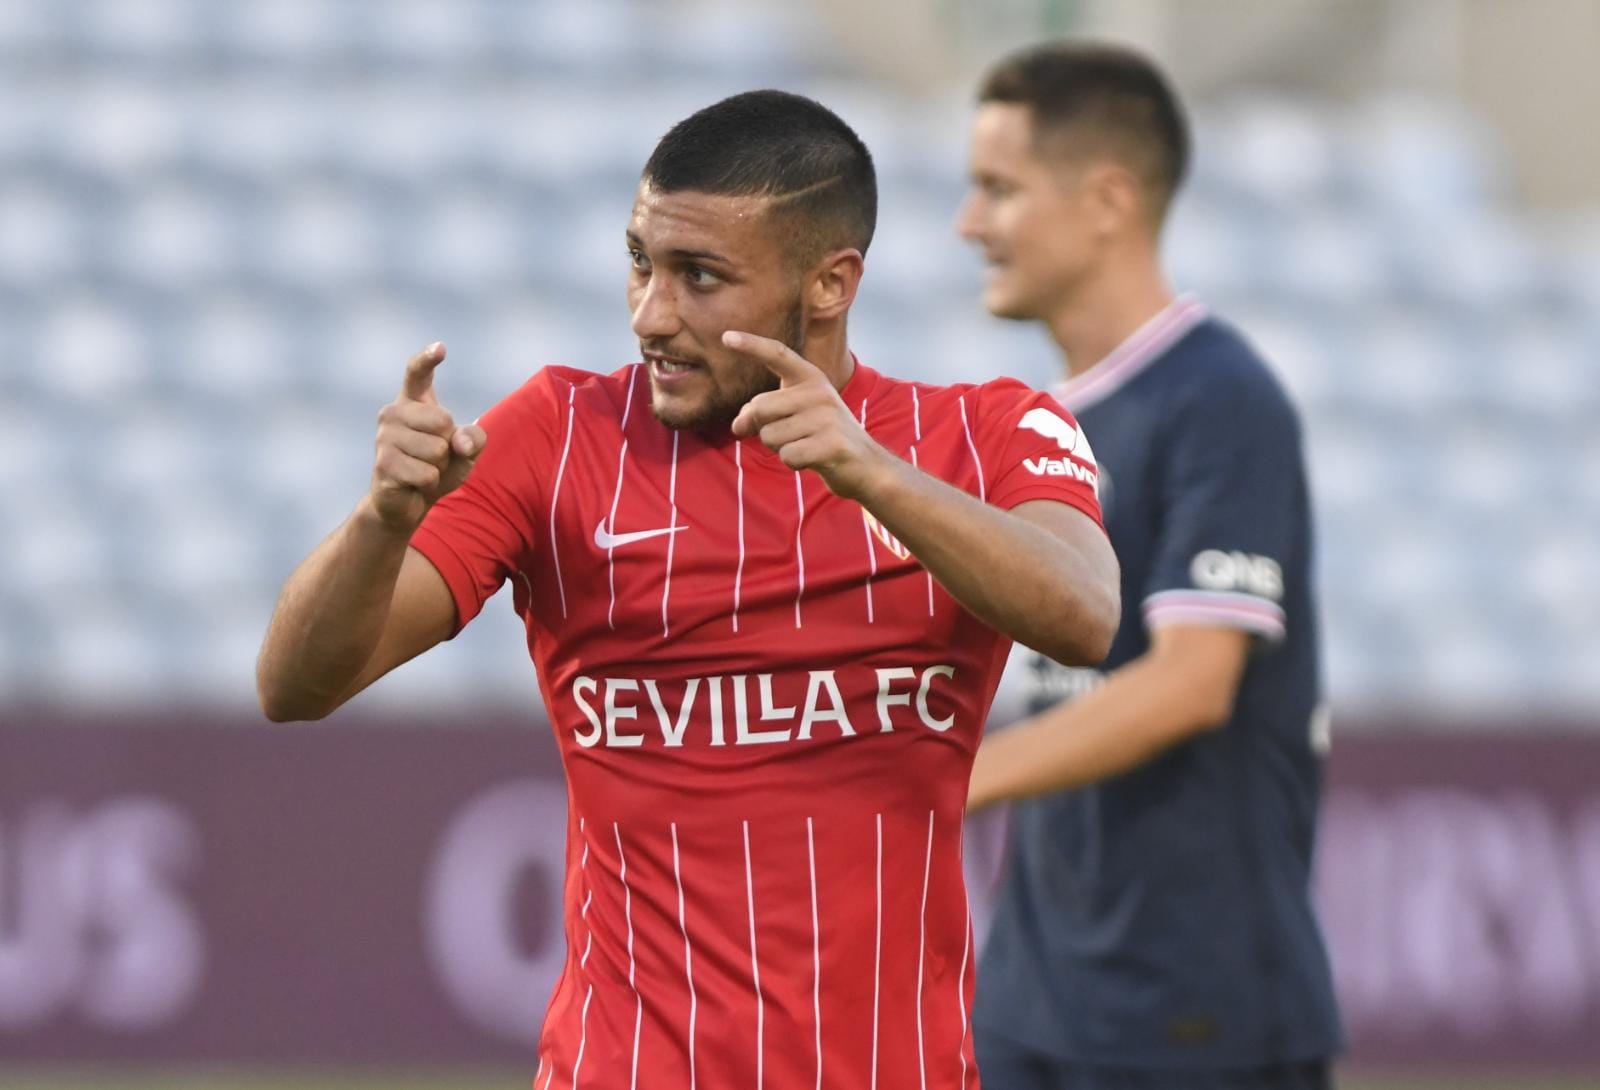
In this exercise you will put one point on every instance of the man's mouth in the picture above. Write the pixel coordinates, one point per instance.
(665, 366)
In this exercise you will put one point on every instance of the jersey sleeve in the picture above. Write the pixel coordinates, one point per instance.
(487, 529)
(1033, 449)
(1231, 508)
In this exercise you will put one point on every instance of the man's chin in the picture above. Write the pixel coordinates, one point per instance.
(682, 414)
(675, 416)
(1006, 304)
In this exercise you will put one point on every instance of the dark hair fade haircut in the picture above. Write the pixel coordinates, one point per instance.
(783, 146)
(1108, 94)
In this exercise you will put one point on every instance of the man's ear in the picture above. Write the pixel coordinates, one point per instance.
(1116, 198)
(831, 284)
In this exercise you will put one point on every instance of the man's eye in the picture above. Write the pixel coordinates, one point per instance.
(700, 276)
(638, 260)
(990, 185)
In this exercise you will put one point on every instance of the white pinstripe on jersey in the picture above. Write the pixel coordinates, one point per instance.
(966, 426)
(799, 547)
(922, 953)
(738, 572)
(816, 948)
(877, 957)
(688, 958)
(672, 501)
(638, 1000)
(616, 495)
(555, 494)
(961, 978)
(755, 962)
(925, 571)
(583, 962)
(866, 532)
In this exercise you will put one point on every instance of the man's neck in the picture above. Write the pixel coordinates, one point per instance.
(831, 353)
(1090, 325)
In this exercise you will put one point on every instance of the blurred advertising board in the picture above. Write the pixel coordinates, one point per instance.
(354, 894)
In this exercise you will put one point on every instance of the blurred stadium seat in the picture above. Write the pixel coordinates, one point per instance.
(223, 229)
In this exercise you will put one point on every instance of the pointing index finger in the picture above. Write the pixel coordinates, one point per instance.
(777, 357)
(418, 385)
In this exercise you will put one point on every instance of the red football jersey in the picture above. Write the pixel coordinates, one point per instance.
(767, 713)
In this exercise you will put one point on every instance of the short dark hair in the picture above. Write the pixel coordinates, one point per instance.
(1114, 95)
(780, 145)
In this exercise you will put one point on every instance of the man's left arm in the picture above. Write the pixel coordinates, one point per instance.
(1183, 686)
(1231, 533)
(1042, 573)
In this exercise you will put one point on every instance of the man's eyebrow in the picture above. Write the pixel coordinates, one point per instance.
(683, 254)
(700, 255)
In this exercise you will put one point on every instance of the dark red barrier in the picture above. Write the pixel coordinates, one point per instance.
(1459, 882)
(255, 894)
(352, 895)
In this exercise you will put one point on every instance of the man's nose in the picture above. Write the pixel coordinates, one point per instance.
(655, 313)
(969, 222)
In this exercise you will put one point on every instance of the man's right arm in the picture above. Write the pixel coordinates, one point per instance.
(364, 601)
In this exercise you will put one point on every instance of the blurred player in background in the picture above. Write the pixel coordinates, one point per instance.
(1154, 928)
(768, 592)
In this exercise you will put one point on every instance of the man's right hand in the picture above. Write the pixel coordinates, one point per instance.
(421, 454)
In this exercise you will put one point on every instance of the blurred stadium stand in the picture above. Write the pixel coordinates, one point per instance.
(223, 228)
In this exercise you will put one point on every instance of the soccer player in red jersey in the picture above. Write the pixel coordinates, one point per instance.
(769, 592)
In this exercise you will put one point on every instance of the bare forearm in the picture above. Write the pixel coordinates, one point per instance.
(1185, 684)
(356, 607)
(1047, 579)
(1103, 733)
(329, 618)
(1057, 596)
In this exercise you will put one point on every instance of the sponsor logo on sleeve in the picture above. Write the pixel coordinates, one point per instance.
(1051, 426)
(1215, 569)
(1068, 438)
(1061, 467)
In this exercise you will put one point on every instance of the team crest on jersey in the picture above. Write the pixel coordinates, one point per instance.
(882, 533)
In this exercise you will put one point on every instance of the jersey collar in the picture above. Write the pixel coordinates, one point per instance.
(1143, 347)
(859, 386)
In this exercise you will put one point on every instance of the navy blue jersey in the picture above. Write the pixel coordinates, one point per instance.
(1162, 918)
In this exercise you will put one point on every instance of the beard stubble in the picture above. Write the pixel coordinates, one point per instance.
(724, 401)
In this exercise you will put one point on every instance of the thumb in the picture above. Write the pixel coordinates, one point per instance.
(465, 446)
(468, 442)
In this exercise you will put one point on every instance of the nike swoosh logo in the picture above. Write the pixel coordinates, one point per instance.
(605, 539)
